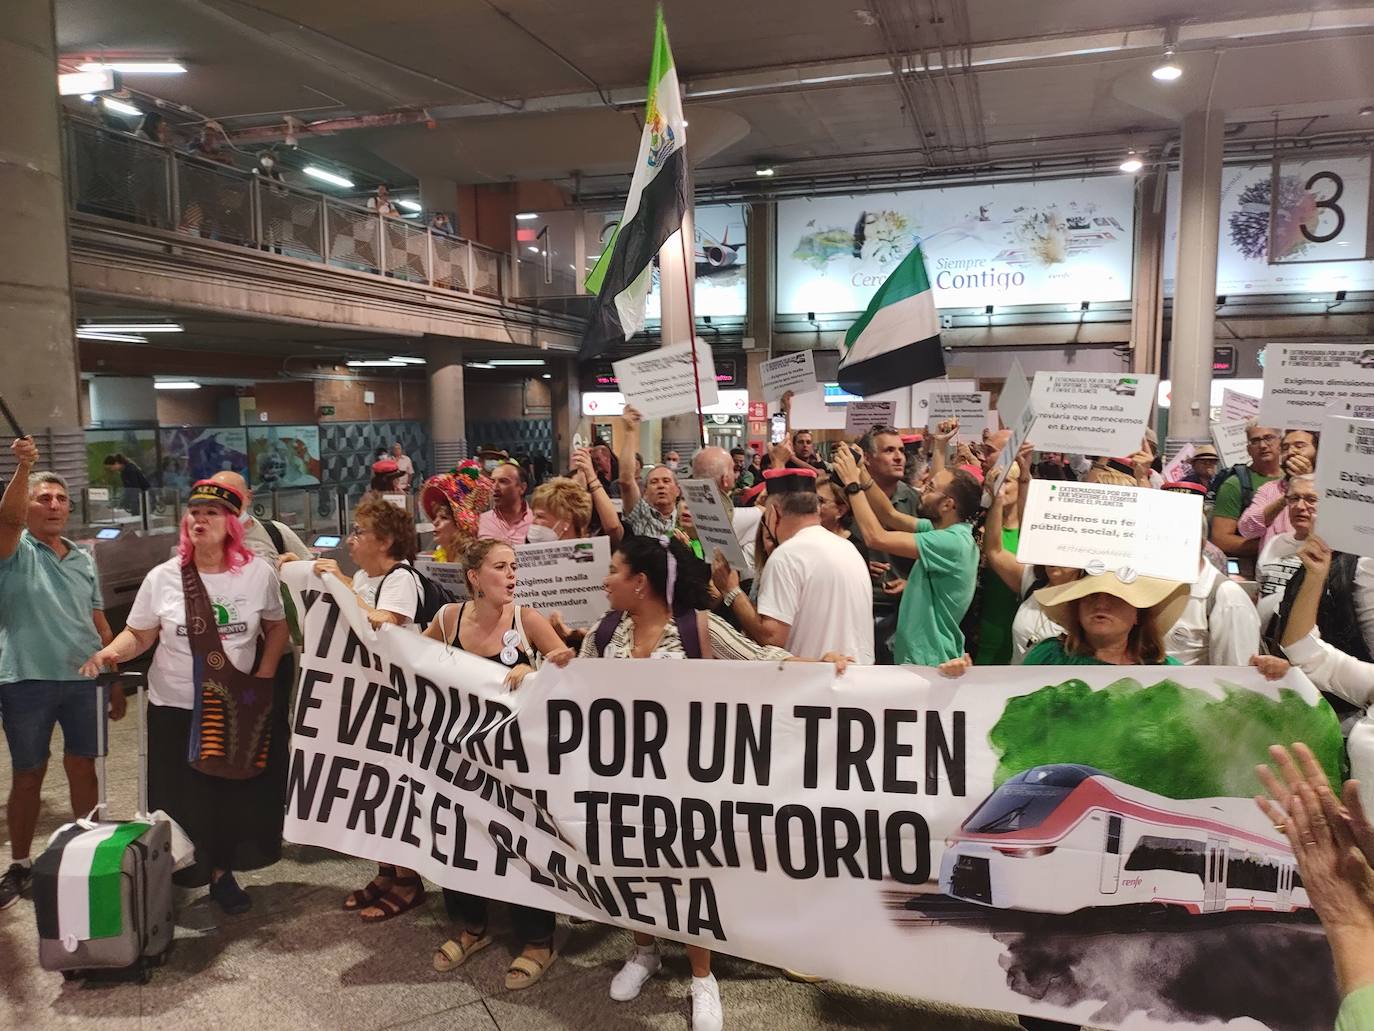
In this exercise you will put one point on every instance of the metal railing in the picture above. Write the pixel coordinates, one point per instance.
(115, 175)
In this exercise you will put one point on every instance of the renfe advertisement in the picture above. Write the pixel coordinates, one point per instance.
(1063, 241)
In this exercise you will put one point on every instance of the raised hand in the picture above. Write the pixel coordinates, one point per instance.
(631, 417)
(1316, 556)
(25, 451)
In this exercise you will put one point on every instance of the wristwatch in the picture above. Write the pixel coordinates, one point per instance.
(853, 488)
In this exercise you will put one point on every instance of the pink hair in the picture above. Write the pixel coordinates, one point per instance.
(236, 552)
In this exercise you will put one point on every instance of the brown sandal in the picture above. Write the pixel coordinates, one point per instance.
(370, 893)
(393, 904)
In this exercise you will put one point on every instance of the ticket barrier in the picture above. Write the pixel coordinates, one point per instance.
(123, 555)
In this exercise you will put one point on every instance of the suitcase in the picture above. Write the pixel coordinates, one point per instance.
(140, 889)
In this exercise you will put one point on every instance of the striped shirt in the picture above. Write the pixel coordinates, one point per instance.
(726, 643)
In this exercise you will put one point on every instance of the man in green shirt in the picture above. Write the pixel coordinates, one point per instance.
(1262, 444)
(940, 541)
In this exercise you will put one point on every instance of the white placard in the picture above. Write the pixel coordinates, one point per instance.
(564, 577)
(1102, 528)
(1237, 407)
(1230, 439)
(714, 526)
(399, 500)
(1016, 390)
(1345, 481)
(862, 416)
(1092, 413)
(1020, 433)
(970, 409)
(921, 393)
(795, 372)
(660, 383)
(97, 493)
(1303, 381)
(1179, 467)
(446, 574)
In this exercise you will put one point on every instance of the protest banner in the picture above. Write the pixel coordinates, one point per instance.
(713, 524)
(1004, 840)
(1179, 466)
(795, 372)
(1345, 481)
(971, 409)
(1100, 527)
(1238, 407)
(921, 392)
(1303, 381)
(1092, 413)
(564, 577)
(660, 383)
(1230, 439)
(862, 416)
(1015, 393)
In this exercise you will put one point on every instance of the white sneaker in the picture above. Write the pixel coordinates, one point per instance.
(643, 964)
(706, 1012)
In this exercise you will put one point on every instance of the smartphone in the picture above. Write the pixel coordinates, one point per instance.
(777, 429)
(1233, 566)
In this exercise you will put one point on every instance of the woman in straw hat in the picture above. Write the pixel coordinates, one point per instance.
(1109, 619)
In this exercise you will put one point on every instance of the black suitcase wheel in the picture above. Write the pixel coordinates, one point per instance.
(69, 975)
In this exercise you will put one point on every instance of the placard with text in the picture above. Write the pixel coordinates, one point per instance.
(1303, 383)
(1092, 413)
(1345, 481)
(713, 524)
(661, 383)
(795, 372)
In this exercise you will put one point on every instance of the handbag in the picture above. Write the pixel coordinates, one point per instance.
(231, 721)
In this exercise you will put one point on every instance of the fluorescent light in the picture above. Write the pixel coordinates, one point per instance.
(175, 384)
(328, 177)
(1168, 71)
(512, 362)
(526, 216)
(119, 107)
(533, 250)
(118, 338)
(407, 360)
(134, 327)
(547, 375)
(85, 82)
(376, 363)
(136, 67)
(479, 365)
(765, 171)
(1132, 164)
(88, 98)
(409, 205)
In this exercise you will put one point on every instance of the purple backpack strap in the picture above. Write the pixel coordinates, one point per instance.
(605, 630)
(689, 632)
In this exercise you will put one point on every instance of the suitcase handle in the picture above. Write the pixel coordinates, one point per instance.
(137, 682)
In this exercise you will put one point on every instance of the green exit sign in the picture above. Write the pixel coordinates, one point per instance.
(326, 409)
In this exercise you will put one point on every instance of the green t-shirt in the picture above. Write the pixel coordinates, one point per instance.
(938, 592)
(1228, 495)
(1000, 603)
(1357, 1011)
(1050, 652)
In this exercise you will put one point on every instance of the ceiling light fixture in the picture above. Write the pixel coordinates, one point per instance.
(527, 216)
(1168, 70)
(135, 67)
(409, 205)
(479, 365)
(329, 177)
(533, 250)
(375, 363)
(133, 327)
(1366, 111)
(69, 83)
(407, 359)
(121, 108)
(114, 338)
(1132, 164)
(515, 361)
(764, 170)
(88, 98)
(175, 384)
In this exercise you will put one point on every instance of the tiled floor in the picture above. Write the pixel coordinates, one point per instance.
(297, 961)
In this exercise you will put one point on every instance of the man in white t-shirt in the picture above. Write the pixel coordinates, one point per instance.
(814, 592)
(405, 465)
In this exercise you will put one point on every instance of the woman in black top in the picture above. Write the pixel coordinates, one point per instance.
(493, 626)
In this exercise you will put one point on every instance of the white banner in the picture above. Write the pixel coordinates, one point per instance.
(862, 416)
(1049, 242)
(795, 372)
(1237, 407)
(1102, 528)
(1016, 389)
(963, 844)
(1093, 413)
(660, 383)
(922, 392)
(971, 409)
(1230, 439)
(714, 527)
(564, 577)
(1345, 482)
(1304, 382)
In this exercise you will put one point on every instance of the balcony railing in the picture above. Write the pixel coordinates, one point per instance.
(119, 176)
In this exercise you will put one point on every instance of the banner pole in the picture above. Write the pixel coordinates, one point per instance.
(687, 280)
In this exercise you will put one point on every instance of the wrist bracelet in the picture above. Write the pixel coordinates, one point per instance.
(730, 596)
(866, 486)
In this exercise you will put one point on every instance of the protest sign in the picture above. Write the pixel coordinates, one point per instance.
(1238, 407)
(1230, 439)
(1345, 481)
(971, 409)
(1303, 381)
(713, 524)
(1100, 527)
(448, 575)
(1178, 467)
(1003, 840)
(1092, 413)
(921, 393)
(1015, 393)
(1020, 433)
(399, 500)
(795, 372)
(862, 416)
(660, 383)
(564, 577)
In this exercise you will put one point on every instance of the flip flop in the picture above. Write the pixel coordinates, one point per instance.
(532, 970)
(451, 954)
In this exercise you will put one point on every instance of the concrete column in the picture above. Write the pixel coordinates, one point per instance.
(1147, 288)
(38, 356)
(438, 194)
(1190, 346)
(680, 433)
(759, 280)
(447, 411)
(567, 411)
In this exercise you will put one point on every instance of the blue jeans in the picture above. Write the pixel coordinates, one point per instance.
(31, 708)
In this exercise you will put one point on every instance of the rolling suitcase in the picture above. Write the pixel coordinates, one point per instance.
(102, 890)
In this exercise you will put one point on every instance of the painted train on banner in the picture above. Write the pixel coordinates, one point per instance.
(1065, 837)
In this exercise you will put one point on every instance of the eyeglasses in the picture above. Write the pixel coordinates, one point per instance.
(358, 531)
(1268, 438)
(1310, 500)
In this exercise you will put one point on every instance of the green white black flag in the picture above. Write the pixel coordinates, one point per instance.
(897, 340)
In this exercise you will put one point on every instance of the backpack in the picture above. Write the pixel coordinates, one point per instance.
(1337, 621)
(274, 531)
(1247, 485)
(433, 595)
(687, 631)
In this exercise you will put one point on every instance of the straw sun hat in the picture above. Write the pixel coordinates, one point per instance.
(1163, 600)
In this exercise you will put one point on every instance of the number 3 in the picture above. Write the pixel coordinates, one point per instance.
(1329, 204)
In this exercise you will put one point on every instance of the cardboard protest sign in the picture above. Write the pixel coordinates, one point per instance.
(447, 574)
(1016, 391)
(862, 416)
(795, 372)
(1178, 466)
(1100, 527)
(1304, 382)
(921, 394)
(1238, 407)
(1020, 433)
(1345, 481)
(564, 577)
(1092, 413)
(661, 383)
(1003, 840)
(714, 527)
(1230, 439)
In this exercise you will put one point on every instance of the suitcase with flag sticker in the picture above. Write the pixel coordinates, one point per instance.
(102, 890)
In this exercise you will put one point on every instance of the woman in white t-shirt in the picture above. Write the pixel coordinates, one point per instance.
(1278, 560)
(382, 543)
(234, 824)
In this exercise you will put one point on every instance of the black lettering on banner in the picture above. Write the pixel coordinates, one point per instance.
(331, 623)
(366, 800)
(410, 723)
(510, 746)
(1328, 204)
(873, 843)
(727, 835)
(417, 788)
(696, 845)
(754, 813)
(811, 716)
(350, 726)
(630, 897)
(427, 688)
(436, 832)
(702, 912)
(755, 744)
(667, 884)
(593, 800)
(658, 823)
(599, 734)
(382, 718)
(939, 749)
(835, 850)
(307, 701)
(561, 744)
(308, 599)
(711, 773)
(332, 791)
(355, 652)
(848, 755)
(894, 750)
(504, 841)
(522, 849)
(300, 786)
(920, 873)
(785, 839)
(648, 746)
(622, 830)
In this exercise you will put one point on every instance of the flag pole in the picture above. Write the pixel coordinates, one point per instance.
(688, 280)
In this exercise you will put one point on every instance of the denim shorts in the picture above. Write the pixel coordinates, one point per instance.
(31, 708)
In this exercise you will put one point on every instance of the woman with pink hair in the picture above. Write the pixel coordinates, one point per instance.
(217, 726)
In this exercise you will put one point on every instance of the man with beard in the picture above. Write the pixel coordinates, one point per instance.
(654, 513)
